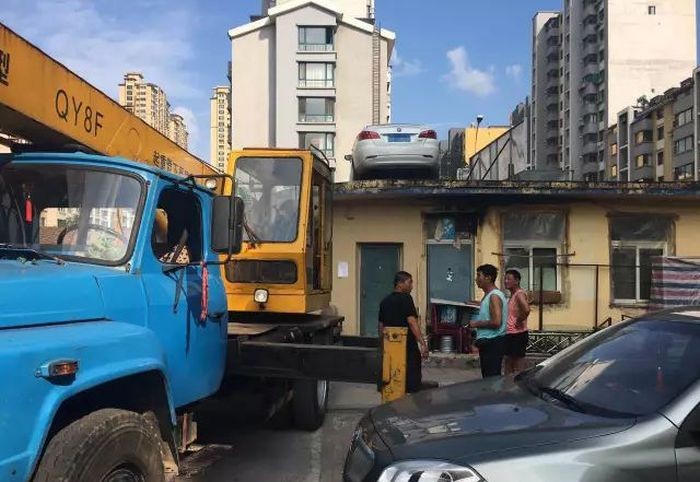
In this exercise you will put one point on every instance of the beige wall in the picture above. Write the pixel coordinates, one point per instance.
(587, 227)
(648, 51)
(253, 89)
(265, 92)
(375, 222)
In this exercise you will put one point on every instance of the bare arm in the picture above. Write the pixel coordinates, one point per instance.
(523, 308)
(495, 315)
(415, 329)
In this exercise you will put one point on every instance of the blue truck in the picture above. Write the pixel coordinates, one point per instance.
(105, 328)
(114, 321)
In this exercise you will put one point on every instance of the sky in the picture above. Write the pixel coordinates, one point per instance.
(454, 59)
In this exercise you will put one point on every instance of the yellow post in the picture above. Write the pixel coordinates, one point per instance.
(394, 363)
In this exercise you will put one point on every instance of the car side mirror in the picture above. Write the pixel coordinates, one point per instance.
(227, 225)
(347, 157)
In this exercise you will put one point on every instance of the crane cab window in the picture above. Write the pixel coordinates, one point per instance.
(270, 189)
(319, 234)
(177, 228)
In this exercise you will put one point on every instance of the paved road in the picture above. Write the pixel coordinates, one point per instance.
(239, 448)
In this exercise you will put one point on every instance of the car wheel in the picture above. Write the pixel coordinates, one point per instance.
(108, 445)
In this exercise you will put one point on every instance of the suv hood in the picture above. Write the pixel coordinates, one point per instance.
(463, 420)
(45, 292)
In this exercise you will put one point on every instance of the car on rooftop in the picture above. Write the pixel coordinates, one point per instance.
(622, 405)
(395, 149)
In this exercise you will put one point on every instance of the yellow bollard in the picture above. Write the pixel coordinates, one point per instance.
(394, 363)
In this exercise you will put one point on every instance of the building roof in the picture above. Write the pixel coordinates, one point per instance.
(296, 4)
(530, 190)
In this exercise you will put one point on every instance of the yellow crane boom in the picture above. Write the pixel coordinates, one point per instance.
(42, 101)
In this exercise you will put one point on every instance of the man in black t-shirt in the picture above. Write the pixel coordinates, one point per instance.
(398, 310)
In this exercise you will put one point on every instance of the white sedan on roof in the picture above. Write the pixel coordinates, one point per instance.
(395, 147)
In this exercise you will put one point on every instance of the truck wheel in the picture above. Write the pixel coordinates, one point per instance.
(108, 445)
(309, 403)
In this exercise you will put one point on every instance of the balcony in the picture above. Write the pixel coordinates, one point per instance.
(590, 9)
(552, 90)
(590, 149)
(589, 31)
(591, 49)
(588, 88)
(552, 81)
(589, 128)
(313, 47)
(552, 125)
(589, 108)
(553, 49)
(316, 118)
(316, 83)
(590, 69)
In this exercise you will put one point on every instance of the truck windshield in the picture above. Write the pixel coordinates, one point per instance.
(67, 211)
(270, 189)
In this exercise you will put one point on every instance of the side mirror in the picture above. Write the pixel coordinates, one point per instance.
(227, 225)
(348, 157)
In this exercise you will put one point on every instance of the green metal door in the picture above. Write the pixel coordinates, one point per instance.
(378, 265)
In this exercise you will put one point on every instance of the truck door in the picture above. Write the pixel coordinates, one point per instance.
(172, 275)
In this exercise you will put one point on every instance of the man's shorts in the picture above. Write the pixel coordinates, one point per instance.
(516, 344)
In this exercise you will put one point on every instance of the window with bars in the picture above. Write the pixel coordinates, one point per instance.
(325, 141)
(316, 39)
(532, 244)
(315, 75)
(316, 109)
(635, 241)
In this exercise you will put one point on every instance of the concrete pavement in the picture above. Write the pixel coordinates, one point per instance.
(238, 447)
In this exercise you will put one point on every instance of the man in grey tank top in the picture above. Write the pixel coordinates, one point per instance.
(490, 322)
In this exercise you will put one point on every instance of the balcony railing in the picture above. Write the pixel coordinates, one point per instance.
(316, 118)
(305, 47)
(316, 84)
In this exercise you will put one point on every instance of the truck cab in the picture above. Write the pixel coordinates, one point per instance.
(110, 315)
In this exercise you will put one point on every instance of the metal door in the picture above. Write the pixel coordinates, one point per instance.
(450, 272)
(378, 265)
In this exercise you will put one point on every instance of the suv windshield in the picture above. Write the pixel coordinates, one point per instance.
(631, 369)
(270, 189)
(68, 212)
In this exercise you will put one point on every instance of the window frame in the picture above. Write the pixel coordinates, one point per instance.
(328, 81)
(302, 44)
(530, 246)
(330, 153)
(198, 204)
(637, 246)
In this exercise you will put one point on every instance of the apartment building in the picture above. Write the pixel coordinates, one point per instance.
(310, 72)
(607, 54)
(655, 140)
(177, 130)
(220, 127)
(146, 100)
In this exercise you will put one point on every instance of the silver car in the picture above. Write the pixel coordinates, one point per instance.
(388, 148)
(621, 406)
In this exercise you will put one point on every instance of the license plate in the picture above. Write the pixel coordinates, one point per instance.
(398, 137)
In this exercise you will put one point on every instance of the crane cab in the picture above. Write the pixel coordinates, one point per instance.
(285, 262)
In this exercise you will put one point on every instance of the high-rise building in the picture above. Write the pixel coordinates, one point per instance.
(591, 60)
(310, 72)
(149, 102)
(177, 131)
(220, 127)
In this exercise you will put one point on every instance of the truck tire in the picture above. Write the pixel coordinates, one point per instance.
(309, 403)
(108, 445)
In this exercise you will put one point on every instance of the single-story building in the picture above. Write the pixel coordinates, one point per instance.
(589, 245)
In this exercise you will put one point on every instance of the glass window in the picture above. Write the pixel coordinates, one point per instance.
(683, 118)
(316, 109)
(270, 188)
(636, 241)
(683, 145)
(316, 38)
(613, 150)
(178, 212)
(532, 243)
(69, 212)
(322, 140)
(316, 75)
